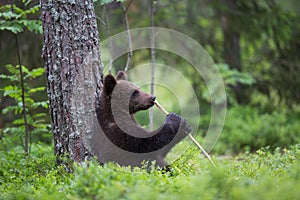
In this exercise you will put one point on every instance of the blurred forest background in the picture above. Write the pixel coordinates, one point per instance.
(255, 44)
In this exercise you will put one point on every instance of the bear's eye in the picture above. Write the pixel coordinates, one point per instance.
(135, 93)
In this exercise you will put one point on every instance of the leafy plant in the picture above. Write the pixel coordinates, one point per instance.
(263, 174)
(249, 129)
(15, 19)
(33, 176)
(36, 120)
(232, 77)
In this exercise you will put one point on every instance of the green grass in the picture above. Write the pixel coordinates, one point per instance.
(260, 175)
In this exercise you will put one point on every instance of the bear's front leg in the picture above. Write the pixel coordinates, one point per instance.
(174, 130)
(178, 124)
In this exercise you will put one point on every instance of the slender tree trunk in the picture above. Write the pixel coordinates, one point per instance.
(232, 50)
(152, 10)
(26, 146)
(125, 19)
(74, 74)
(231, 44)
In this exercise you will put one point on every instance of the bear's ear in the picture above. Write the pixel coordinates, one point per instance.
(121, 75)
(109, 84)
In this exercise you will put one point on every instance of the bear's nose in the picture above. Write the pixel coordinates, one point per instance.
(153, 98)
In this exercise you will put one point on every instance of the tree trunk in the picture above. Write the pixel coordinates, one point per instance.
(232, 54)
(74, 73)
(231, 44)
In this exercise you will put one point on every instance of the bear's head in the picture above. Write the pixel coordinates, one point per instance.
(124, 95)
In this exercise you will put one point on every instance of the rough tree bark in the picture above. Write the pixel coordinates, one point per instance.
(74, 73)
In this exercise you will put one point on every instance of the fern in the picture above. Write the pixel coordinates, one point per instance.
(17, 21)
(231, 77)
(36, 120)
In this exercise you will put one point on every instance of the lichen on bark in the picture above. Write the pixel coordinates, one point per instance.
(73, 70)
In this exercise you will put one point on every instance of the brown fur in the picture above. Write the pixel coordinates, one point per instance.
(120, 99)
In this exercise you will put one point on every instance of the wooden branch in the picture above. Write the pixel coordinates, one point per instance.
(130, 53)
(105, 12)
(189, 135)
(128, 6)
(152, 60)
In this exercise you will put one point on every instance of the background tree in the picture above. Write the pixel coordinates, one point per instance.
(73, 71)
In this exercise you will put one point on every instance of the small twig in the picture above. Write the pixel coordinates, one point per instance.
(152, 59)
(105, 12)
(99, 18)
(128, 6)
(190, 136)
(130, 53)
(161, 108)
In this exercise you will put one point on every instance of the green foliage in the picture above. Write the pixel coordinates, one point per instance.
(268, 37)
(269, 48)
(261, 175)
(34, 176)
(230, 77)
(249, 129)
(36, 120)
(17, 20)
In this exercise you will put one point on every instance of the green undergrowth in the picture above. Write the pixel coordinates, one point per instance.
(249, 129)
(264, 174)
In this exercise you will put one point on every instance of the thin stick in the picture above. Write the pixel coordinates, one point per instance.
(152, 60)
(190, 136)
(130, 52)
(161, 108)
(105, 13)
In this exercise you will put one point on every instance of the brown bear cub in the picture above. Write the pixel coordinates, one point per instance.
(119, 101)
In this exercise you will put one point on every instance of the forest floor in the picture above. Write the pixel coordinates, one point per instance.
(264, 174)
